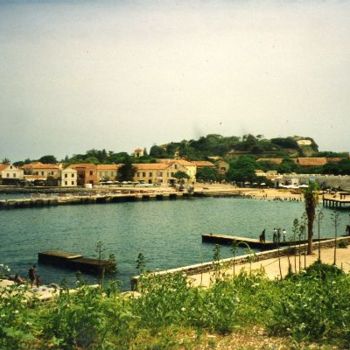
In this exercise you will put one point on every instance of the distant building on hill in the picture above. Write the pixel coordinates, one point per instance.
(222, 166)
(139, 152)
(276, 161)
(310, 161)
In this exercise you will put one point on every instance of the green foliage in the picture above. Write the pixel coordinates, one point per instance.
(6, 161)
(48, 159)
(287, 142)
(341, 168)
(207, 174)
(181, 175)
(311, 306)
(162, 301)
(127, 171)
(315, 306)
(242, 169)
(287, 166)
(311, 201)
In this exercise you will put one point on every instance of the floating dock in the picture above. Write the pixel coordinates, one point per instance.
(76, 261)
(251, 242)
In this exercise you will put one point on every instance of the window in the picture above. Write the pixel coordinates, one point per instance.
(8, 175)
(91, 172)
(72, 175)
(144, 174)
(66, 175)
(72, 183)
(42, 173)
(66, 183)
(14, 174)
(150, 174)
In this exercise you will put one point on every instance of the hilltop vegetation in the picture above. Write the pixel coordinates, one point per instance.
(241, 153)
(217, 145)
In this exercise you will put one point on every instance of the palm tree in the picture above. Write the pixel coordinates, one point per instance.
(335, 219)
(311, 200)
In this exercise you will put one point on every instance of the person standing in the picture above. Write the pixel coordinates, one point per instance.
(284, 235)
(274, 237)
(32, 275)
(279, 235)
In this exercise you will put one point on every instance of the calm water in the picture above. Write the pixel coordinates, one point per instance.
(168, 233)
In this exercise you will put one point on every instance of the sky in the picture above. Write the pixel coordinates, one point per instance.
(77, 75)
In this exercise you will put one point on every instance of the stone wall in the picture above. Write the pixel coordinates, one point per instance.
(274, 253)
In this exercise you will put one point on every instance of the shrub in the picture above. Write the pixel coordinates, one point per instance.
(313, 306)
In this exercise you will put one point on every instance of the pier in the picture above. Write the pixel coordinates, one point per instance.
(251, 242)
(90, 199)
(341, 202)
(76, 262)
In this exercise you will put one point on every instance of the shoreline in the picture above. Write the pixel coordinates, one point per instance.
(127, 194)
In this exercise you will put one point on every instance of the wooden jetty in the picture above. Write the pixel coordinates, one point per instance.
(341, 202)
(251, 242)
(76, 261)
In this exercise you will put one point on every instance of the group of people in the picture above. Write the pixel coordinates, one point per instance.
(278, 235)
(33, 277)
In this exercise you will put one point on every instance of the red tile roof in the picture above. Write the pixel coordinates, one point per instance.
(312, 161)
(151, 166)
(108, 166)
(39, 165)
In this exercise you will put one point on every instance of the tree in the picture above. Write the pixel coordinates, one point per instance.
(287, 166)
(311, 200)
(242, 169)
(207, 174)
(127, 171)
(6, 161)
(158, 152)
(181, 176)
(48, 159)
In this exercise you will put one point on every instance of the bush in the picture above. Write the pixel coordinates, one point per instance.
(313, 306)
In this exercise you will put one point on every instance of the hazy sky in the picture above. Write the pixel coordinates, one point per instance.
(76, 75)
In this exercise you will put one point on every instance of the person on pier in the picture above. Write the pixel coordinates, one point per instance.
(262, 237)
(274, 237)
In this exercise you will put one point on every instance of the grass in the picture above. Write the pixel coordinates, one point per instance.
(306, 311)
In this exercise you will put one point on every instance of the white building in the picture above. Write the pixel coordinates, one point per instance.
(9, 172)
(68, 177)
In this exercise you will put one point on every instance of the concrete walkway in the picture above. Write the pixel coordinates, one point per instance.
(271, 267)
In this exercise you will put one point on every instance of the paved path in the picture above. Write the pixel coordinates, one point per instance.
(272, 269)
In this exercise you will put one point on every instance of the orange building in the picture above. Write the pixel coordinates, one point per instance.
(87, 173)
